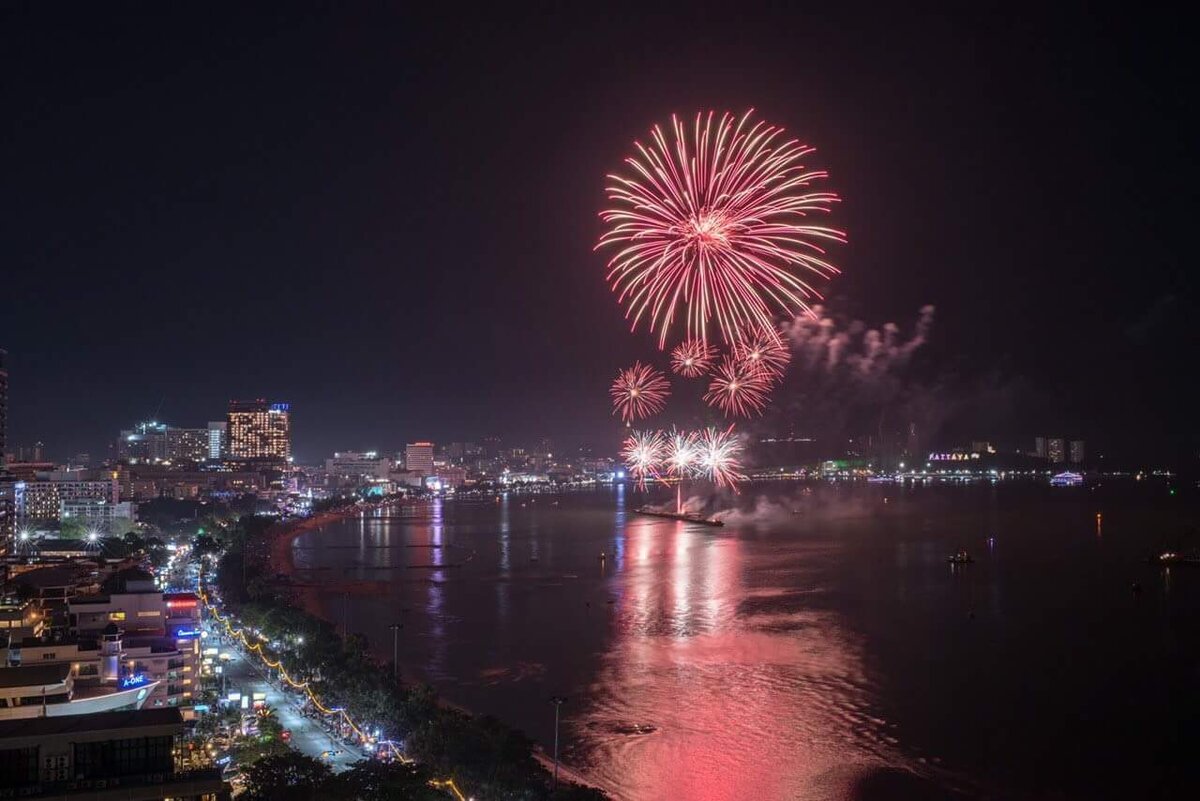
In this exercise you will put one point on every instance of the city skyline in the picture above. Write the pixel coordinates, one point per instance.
(391, 297)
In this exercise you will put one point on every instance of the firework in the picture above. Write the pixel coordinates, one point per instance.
(737, 389)
(643, 454)
(764, 352)
(719, 455)
(714, 224)
(692, 358)
(680, 453)
(639, 391)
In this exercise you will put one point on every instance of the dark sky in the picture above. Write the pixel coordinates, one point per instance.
(387, 217)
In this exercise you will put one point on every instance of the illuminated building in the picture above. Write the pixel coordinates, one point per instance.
(259, 431)
(1077, 451)
(96, 513)
(418, 458)
(1039, 447)
(1056, 450)
(351, 467)
(8, 515)
(3, 406)
(218, 440)
(43, 500)
(158, 635)
(145, 442)
(187, 444)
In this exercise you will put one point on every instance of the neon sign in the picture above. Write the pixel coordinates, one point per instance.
(957, 456)
(136, 680)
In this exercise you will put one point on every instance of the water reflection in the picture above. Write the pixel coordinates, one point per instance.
(696, 699)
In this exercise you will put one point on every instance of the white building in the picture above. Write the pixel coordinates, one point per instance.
(97, 513)
(418, 458)
(42, 500)
(354, 467)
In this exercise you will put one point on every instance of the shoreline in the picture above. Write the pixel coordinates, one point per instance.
(282, 562)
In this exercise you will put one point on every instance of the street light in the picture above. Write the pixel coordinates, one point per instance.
(395, 627)
(558, 701)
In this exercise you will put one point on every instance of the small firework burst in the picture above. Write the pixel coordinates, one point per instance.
(639, 392)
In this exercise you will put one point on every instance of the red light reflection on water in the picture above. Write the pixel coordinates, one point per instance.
(753, 693)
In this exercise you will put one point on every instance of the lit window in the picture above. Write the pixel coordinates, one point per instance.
(116, 616)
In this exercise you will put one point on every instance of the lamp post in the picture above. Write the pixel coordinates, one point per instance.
(395, 627)
(558, 701)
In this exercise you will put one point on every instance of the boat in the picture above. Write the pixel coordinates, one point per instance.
(1173, 558)
(687, 517)
(960, 558)
(1067, 479)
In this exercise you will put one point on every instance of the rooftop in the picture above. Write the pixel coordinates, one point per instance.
(98, 721)
(45, 577)
(33, 675)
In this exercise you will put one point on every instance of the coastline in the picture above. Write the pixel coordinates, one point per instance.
(281, 538)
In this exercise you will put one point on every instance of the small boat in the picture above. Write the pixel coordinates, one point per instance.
(1169, 558)
(960, 558)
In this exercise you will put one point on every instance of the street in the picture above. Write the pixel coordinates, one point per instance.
(247, 676)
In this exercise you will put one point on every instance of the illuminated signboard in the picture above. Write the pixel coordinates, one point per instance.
(952, 457)
(136, 680)
(187, 634)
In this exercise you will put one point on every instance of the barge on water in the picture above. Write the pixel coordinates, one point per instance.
(687, 517)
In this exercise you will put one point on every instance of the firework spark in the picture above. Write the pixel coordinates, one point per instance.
(639, 391)
(737, 389)
(714, 225)
(720, 456)
(680, 453)
(643, 454)
(692, 358)
(764, 352)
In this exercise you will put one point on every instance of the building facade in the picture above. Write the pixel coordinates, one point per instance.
(3, 405)
(43, 500)
(259, 431)
(97, 513)
(187, 444)
(132, 755)
(218, 440)
(418, 458)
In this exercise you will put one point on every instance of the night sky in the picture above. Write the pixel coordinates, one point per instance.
(387, 218)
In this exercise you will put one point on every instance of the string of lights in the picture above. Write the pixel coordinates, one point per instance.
(363, 735)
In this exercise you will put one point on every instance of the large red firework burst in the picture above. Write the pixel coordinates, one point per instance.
(639, 391)
(764, 351)
(692, 358)
(714, 224)
(737, 389)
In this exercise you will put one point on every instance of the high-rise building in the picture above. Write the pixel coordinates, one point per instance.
(1056, 450)
(418, 458)
(259, 431)
(8, 515)
(218, 440)
(145, 442)
(1039, 447)
(1077, 452)
(187, 444)
(3, 405)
